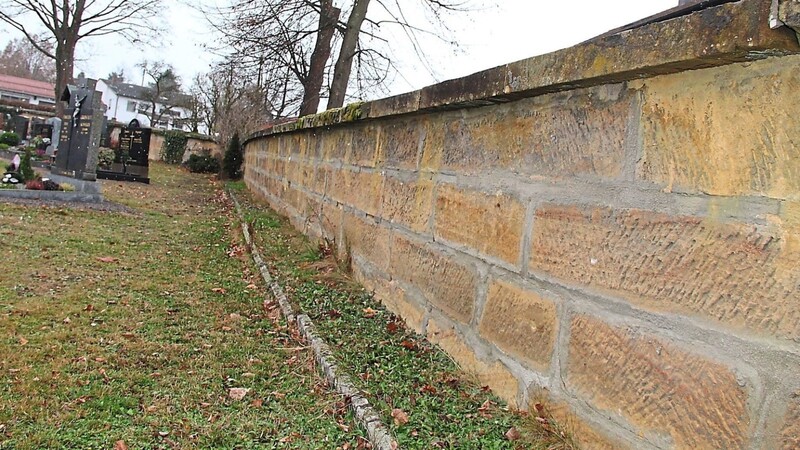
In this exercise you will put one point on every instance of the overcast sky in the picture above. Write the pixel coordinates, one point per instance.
(488, 36)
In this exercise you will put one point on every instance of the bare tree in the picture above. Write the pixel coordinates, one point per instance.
(69, 21)
(294, 35)
(21, 59)
(164, 93)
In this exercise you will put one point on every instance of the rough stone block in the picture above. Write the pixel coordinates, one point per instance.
(729, 130)
(490, 223)
(581, 134)
(401, 304)
(408, 203)
(361, 190)
(584, 434)
(495, 375)
(790, 434)
(368, 239)
(332, 216)
(447, 284)
(521, 323)
(364, 151)
(669, 394)
(399, 142)
(732, 273)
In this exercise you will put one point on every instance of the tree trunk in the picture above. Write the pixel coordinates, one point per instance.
(328, 18)
(344, 64)
(65, 60)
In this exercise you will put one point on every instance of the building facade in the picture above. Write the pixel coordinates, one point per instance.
(26, 90)
(125, 102)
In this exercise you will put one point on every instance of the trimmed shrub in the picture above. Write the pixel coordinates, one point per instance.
(10, 138)
(4, 146)
(174, 146)
(203, 164)
(232, 163)
(25, 169)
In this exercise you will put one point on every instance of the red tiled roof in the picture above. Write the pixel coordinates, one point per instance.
(26, 86)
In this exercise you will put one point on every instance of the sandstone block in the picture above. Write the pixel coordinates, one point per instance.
(521, 323)
(732, 273)
(399, 142)
(555, 136)
(790, 434)
(730, 130)
(495, 375)
(661, 389)
(447, 284)
(490, 223)
(408, 203)
(401, 304)
(361, 190)
(364, 150)
(368, 239)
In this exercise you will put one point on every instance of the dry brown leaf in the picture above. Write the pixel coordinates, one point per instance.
(512, 434)
(400, 417)
(237, 393)
(107, 259)
(369, 312)
(23, 341)
(218, 290)
(257, 403)
(120, 445)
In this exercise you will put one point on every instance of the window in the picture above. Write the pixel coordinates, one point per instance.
(131, 106)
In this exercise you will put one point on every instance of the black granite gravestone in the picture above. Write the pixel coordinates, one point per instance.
(80, 132)
(19, 125)
(130, 157)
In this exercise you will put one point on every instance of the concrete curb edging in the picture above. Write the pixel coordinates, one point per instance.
(377, 433)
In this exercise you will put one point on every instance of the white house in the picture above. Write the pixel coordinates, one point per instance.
(126, 102)
(30, 91)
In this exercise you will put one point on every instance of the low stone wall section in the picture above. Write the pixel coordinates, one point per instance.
(625, 244)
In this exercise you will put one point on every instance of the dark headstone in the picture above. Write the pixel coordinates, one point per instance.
(134, 124)
(19, 125)
(80, 132)
(130, 156)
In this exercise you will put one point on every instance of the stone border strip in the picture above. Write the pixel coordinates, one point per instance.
(377, 433)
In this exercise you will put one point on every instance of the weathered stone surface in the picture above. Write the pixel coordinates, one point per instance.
(661, 389)
(408, 203)
(495, 375)
(491, 224)
(364, 150)
(398, 302)
(521, 323)
(578, 429)
(332, 217)
(361, 190)
(734, 274)
(726, 131)
(399, 142)
(368, 239)
(790, 434)
(553, 136)
(447, 284)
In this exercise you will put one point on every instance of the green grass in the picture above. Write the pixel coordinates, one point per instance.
(134, 326)
(396, 368)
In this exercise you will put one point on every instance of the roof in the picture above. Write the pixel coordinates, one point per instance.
(27, 86)
(136, 92)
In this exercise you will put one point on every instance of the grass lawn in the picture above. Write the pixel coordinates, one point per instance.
(134, 325)
(404, 376)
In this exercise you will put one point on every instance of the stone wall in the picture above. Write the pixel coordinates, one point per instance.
(195, 144)
(614, 226)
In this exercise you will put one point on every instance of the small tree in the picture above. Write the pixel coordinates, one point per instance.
(232, 163)
(174, 146)
(25, 169)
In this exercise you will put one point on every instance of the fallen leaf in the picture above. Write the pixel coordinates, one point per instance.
(539, 407)
(369, 312)
(107, 259)
(400, 417)
(89, 308)
(408, 345)
(237, 393)
(120, 445)
(67, 320)
(512, 434)
(23, 341)
(251, 286)
(128, 335)
(218, 290)
(392, 327)
(428, 389)
(257, 403)
(163, 433)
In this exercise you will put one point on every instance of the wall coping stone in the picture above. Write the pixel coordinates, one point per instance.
(708, 34)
